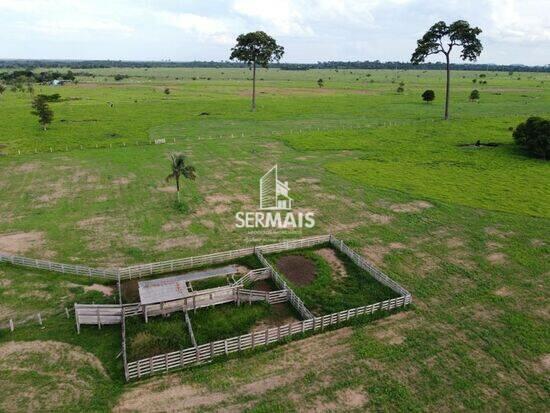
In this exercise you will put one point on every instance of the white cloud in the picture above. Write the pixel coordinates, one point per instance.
(205, 28)
(519, 21)
(283, 17)
(77, 26)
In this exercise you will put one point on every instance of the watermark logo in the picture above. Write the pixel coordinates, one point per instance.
(275, 207)
(274, 193)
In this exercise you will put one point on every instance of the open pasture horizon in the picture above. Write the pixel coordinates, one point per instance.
(465, 229)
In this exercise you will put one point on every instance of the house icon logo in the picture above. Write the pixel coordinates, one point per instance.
(274, 193)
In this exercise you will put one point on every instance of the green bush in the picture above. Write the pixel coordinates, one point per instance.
(474, 95)
(534, 135)
(428, 95)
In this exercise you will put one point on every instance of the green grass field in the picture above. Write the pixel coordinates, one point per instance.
(464, 229)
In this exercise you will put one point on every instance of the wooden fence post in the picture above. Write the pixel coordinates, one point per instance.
(12, 326)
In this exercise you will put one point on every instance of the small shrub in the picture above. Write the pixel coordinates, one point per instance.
(166, 91)
(400, 89)
(320, 82)
(428, 95)
(474, 95)
(119, 77)
(534, 135)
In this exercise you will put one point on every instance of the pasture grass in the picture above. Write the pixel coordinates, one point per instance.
(356, 152)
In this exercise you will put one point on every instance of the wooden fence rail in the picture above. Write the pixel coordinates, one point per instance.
(281, 283)
(144, 270)
(111, 274)
(206, 352)
(216, 258)
(367, 266)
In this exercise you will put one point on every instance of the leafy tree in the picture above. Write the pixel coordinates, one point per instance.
(256, 48)
(474, 95)
(54, 97)
(42, 110)
(534, 134)
(178, 164)
(441, 38)
(320, 83)
(428, 96)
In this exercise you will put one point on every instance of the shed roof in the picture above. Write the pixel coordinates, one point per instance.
(175, 288)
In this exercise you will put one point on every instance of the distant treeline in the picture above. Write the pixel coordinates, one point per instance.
(376, 64)
(26, 75)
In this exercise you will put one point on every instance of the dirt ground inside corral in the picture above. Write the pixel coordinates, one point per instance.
(297, 269)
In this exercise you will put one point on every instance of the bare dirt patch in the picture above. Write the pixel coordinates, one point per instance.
(189, 241)
(377, 252)
(185, 396)
(104, 289)
(543, 365)
(498, 232)
(338, 267)
(123, 180)
(346, 399)
(90, 223)
(176, 225)
(414, 206)
(28, 167)
(504, 292)
(297, 269)
(497, 258)
(65, 369)
(378, 218)
(390, 329)
(21, 242)
(455, 242)
(168, 189)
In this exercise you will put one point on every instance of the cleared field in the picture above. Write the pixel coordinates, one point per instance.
(464, 229)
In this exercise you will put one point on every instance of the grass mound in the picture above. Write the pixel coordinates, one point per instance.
(55, 376)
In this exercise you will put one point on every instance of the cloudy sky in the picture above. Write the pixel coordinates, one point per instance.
(514, 31)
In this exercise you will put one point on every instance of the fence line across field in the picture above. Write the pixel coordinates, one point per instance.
(172, 140)
(162, 267)
(206, 352)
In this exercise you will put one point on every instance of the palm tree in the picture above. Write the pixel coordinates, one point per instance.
(179, 168)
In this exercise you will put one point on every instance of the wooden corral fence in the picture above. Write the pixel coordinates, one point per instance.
(297, 303)
(216, 258)
(206, 352)
(367, 266)
(272, 297)
(111, 274)
(251, 276)
(163, 267)
(98, 314)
